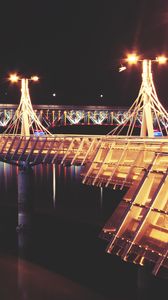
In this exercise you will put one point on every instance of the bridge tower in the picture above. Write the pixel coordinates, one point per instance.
(25, 120)
(146, 93)
(25, 104)
(147, 107)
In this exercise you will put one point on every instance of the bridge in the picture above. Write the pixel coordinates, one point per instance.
(64, 115)
(138, 229)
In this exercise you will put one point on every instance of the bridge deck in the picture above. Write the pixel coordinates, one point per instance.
(138, 230)
(54, 149)
(104, 154)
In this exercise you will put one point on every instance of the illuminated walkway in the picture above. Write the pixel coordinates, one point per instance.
(109, 159)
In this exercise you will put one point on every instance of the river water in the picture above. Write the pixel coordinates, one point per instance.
(61, 256)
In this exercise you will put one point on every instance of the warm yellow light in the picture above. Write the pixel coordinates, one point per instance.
(35, 78)
(14, 78)
(161, 59)
(132, 58)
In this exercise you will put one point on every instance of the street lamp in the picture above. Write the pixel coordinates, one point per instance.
(34, 78)
(15, 78)
(161, 59)
(133, 58)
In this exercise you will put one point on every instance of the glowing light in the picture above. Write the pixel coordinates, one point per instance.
(132, 58)
(161, 59)
(14, 78)
(35, 78)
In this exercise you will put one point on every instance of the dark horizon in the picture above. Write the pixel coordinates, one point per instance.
(77, 47)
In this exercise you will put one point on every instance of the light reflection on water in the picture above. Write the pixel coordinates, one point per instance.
(8, 183)
(45, 177)
(67, 218)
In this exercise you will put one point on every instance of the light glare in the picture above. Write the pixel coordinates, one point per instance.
(161, 59)
(132, 58)
(35, 78)
(14, 78)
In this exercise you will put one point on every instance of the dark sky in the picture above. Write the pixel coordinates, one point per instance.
(76, 48)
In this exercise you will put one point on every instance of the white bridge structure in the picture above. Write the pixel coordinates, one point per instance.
(138, 229)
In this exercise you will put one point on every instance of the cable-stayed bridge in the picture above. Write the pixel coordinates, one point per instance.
(138, 229)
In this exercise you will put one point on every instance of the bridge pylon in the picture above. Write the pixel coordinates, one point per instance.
(25, 120)
(147, 112)
(146, 93)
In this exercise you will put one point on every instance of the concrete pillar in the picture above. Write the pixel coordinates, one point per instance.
(25, 197)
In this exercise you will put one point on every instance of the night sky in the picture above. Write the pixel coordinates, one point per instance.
(76, 48)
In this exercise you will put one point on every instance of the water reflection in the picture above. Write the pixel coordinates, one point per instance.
(54, 186)
(8, 183)
(25, 245)
(101, 198)
(24, 226)
(60, 231)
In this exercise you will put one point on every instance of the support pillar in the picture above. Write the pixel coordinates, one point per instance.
(25, 199)
(24, 228)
